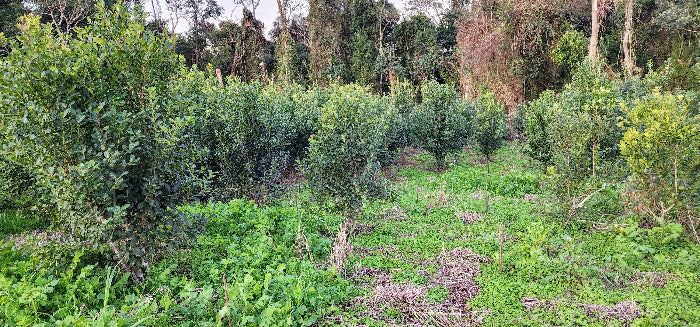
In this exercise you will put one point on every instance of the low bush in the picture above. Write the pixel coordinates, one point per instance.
(343, 161)
(660, 143)
(575, 134)
(441, 123)
(539, 142)
(101, 132)
(309, 106)
(490, 127)
(403, 97)
(244, 130)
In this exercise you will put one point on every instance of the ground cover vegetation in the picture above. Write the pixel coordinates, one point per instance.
(357, 169)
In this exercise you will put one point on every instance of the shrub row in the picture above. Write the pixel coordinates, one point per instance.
(116, 136)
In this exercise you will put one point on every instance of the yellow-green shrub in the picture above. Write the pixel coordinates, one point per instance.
(661, 144)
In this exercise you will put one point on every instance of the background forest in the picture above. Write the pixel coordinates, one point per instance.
(515, 49)
(495, 162)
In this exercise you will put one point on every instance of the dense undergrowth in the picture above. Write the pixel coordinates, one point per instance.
(270, 258)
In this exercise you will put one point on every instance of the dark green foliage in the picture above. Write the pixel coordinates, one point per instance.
(306, 117)
(403, 98)
(416, 48)
(10, 10)
(245, 130)
(362, 58)
(539, 145)
(489, 124)
(16, 185)
(441, 124)
(101, 132)
(343, 160)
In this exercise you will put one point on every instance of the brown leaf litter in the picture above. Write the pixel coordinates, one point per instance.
(456, 272)
(481, 195)
(438, 198)
(653, 278)
(41, 238)
(624, 311)
(469, 216)
(364, 229)
(395, 214)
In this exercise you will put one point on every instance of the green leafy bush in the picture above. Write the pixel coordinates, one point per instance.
(309, 107)
(489, 124)
(660, 143)
(403, 96)
(343, 160)
(441, 123)
(246, 131)
(90, 112)
(16, 186)
(575, 133)
(570, 49)
(539, 143)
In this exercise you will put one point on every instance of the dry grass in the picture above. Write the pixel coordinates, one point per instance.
(623, 311)
(364, 229)
(469, 216)
(342, 247)
(396, 213)
(530, 197)
(438, 198)
(456, 272)
(653, 278)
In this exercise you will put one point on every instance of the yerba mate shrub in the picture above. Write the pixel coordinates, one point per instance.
(343, 163)
(91, 114)
(661, 144)
(441, 124)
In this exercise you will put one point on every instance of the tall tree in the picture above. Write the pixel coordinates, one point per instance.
(64, 15)
(198, 14)
(328, 34)
(595, 28)
(285, 49)
(630, 67)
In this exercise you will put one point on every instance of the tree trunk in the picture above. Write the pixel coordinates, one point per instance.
(381, 45)
(283, 17)
(595, 27)
(627, 38)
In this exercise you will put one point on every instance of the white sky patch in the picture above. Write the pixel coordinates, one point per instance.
(266, 12)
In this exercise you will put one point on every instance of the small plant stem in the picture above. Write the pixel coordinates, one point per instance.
(488, 171)
(675, 171)
(500, 248)
(594, 145)
(226, 296)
